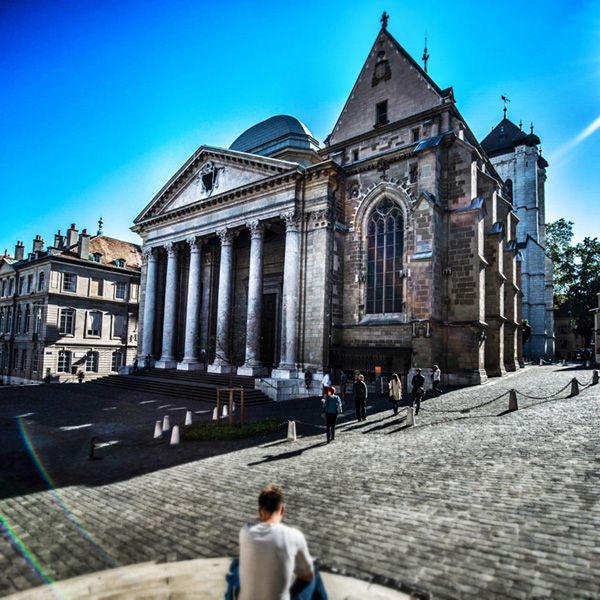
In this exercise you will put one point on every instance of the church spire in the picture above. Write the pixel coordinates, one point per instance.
(425, 56)
(384, 20)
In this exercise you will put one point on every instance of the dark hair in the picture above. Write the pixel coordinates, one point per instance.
(270, 498)
(395, 376)
(418, 370)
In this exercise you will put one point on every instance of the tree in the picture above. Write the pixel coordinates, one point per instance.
(576, 274)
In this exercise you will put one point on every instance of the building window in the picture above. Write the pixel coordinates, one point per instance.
(41, 281)
(27, 319)
(381, 114)
(9, 320)
(64, 361)
(11, 285)
(91, 362)
(96, 257)
(120, 262)
(118, 326)
(1, 320)
(23, 360)
(66, 324)
(415, 134)
(96, 286)
(19, 319)
(37, 319)
(21, 285)
(35, 361)
(354, 155)
(94, 324)
(117, 361)
(69, 282)
(30, 284)
(3, 288)
(385, 250)
(120, 290)
(15, 363)
(413, 174)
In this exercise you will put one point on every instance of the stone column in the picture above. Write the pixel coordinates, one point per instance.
(291, 288)
(149, 303)
(252, 365)
(190, 359)
(167, 358)
(222, 362)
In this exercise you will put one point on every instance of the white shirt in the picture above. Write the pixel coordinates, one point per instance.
(326, 380)
(436, 375)
(270, 554)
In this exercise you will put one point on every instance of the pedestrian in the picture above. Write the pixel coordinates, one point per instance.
(135, 365)
(360, 397)
(395, 386)
(308, 379)
(326, 382)
(271, 554)
(417, 383)
(80, 376)
(332, 407)
(436, 376)
(147, 362)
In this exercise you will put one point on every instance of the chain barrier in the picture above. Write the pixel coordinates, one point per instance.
(466, 409)
(543, 397)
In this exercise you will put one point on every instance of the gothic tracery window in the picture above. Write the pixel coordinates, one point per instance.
(385, 249)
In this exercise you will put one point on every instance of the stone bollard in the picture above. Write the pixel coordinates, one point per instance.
(574, 387)
(410, 416)
(564, 363)
(215, 416)
(157, 429)
(291, 434)
(587, 364)
(175, 435)
(512, 401)
(188, 417)
(595, 377)
(225, 412)
(166, 424)
(541, 362)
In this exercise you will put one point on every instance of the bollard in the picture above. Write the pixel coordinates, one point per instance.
(166, 424)
(225, 411)
(595, 377)
(541, 363)
(188, 417)
(92, 449)
(587, 364)
(410, 416)
(574, 387)
(564, 362)
(291, 434)
(157, 430)
(233, 407)
(512, 401)
(175, 435)
(215, 415)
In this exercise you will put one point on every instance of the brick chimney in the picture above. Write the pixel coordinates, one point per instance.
(71, 236)
(59, 240)
(19, 251)
(83, 247)
(38, 243)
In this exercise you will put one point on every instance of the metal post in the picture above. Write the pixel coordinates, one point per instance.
(231, 390)
(242, 408)
(218, 405)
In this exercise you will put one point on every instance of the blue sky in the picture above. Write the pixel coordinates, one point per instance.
(102, 101)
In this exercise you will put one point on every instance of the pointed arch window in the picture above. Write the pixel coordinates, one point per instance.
(385, 250)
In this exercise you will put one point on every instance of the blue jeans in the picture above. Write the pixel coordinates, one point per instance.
(300, 590)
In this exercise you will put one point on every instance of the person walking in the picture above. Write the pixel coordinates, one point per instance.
(360, 393)
(417, 383)
(332, 407)
(436, 376)
(395, 386)
(326, 382)
(135, 365)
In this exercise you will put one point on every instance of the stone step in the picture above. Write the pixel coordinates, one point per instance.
(217, 379)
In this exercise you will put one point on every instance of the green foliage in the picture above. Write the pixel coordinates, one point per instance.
(576, 274)
(213, 431)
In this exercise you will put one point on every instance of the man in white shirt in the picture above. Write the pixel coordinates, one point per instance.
(436, 376)
(271, 553)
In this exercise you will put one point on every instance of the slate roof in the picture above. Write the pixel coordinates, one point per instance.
(505, 137)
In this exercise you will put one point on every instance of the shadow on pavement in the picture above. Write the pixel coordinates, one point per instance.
(286, 455)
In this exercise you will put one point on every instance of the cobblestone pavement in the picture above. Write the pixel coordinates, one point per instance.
(465, 505)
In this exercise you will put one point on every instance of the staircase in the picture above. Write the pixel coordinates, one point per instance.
(185, 385)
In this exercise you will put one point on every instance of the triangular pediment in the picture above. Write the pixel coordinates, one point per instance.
(389, 74)
(211, 172)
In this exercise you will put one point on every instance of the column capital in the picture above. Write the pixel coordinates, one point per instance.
(257, 229)
(149, 254)
(226, 236)
(171, 249)
(194, 243)
(292, 220)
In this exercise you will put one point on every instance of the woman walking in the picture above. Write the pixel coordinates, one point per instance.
(332, 406)
(395, 386)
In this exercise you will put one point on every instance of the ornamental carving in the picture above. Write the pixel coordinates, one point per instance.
(321, 218)
(148, 254)
(194, 243)
(292, 220)
(208, 177)
(256, 228)
(382, 71)
(225, 235)
(171, 249)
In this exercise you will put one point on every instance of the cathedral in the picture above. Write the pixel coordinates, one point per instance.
(392, 245)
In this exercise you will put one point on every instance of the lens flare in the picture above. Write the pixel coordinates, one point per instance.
(580, 137)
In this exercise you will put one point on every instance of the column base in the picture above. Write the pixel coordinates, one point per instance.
(221, 368)
(192, 365)
(165, 363)
(284, 372)
(252, 371)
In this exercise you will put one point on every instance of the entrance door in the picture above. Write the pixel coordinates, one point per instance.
(268, 330)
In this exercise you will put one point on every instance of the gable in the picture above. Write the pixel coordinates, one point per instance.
(211, 172)
(389, 74)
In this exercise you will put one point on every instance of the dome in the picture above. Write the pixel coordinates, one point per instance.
(275, 136)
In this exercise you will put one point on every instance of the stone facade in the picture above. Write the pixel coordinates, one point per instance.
(68, 308)
(394, 245)
(596, 312)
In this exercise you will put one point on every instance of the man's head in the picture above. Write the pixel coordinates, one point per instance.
(360, 377)
(270, 503)
(418, 371)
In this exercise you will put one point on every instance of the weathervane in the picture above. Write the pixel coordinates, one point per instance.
(100, 224)
(505, 100)
(384, 20)
(425, 56)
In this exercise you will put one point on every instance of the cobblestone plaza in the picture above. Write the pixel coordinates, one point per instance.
(464, 505)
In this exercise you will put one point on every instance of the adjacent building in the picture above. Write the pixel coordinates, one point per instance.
(596, 333)
(392, 245)
(67, 308)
